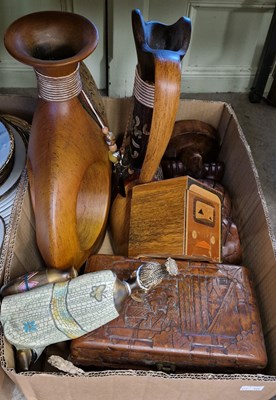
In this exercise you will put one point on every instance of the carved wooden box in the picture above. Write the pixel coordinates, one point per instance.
(206, 316)
(178, 217)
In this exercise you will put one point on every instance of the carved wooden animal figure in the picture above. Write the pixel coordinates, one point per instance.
(192, 150)
(160, 49)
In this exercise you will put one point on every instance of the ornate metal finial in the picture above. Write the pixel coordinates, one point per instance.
(151, 274)
(171, 266)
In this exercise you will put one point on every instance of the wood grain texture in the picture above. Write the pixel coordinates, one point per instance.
(192, 147)
(69, 174)
(160, 49)
(230, 238)
(167, 94)
(119, 218)
(158, 217)
(182, 324)
(68, 166)
(177, 217)
(90, 88)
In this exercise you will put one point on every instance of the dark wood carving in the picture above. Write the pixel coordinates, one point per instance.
(193, 150)
(230, 240)
(160, 49)
(206, 316)
(155, 43)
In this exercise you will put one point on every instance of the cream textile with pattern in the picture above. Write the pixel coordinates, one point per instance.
(60, 311)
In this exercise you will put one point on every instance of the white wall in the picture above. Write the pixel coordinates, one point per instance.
(227, 40)
(15, 74)
(12, 73)
(226, 43)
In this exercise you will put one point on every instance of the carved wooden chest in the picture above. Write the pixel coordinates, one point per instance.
(207, 316)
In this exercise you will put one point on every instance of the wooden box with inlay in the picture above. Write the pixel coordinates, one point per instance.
(178, 217)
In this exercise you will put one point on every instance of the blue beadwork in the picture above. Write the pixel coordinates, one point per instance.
(29, 326)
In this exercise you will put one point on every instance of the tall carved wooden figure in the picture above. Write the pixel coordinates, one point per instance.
(68, 165)
(160, 49)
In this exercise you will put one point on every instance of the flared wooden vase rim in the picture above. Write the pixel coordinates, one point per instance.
(51, 28)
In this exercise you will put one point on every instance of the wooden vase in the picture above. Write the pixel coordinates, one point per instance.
(160, 49)
(68, 166)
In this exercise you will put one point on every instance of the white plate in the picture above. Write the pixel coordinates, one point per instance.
(7, 207)
(19, 163)
(8, 195)
(6, 146)
(6, 213)
(5, 203)
(7, 219)
(2, 232)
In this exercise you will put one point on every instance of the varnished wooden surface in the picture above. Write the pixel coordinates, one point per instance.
(182, 324)
(48, 39)
(90, 89)
(166, 99)
(193, 144)
(69, 174)
(164, 220)
(68, 165)
(160, 49)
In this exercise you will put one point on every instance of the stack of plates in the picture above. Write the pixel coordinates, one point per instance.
(6, 151)
(12, 162)
(2, 232)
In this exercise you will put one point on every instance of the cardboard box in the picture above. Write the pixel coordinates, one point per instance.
(20, 254)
